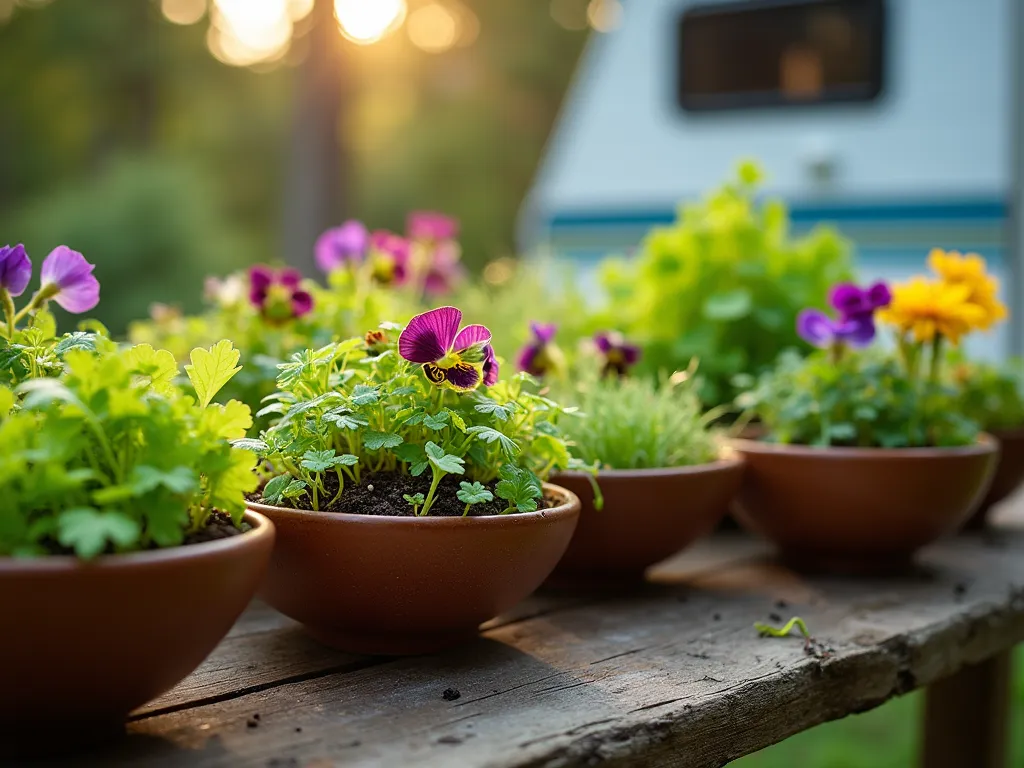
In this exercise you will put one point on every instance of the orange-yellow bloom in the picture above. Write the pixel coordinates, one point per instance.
(969, 270)
(926, 308)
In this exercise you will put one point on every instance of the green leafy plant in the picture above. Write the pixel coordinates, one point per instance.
(723, 284)
(991, 395)
(641, 423)
(862, 400)
(355, 410)
(111, 456)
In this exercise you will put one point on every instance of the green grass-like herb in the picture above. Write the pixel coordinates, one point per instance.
(639, 423)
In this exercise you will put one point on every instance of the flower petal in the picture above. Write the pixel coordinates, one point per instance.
(526, 358)
(879, 295)
(491, 367)
(815, 327)
(15, 269)
(260, 277)
(302, 303)
(470, 335)
(289, 277)
(428, 337)
(857, 332)
(463, 377)
(341, 245)
(631, 354)
(72, 274)
(428, 225)
(604, 342)
(848, 299)
(544, 333)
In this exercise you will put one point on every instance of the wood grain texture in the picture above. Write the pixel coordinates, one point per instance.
(671, 673)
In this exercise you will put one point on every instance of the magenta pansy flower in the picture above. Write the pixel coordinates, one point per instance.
(619, 355)
(820, 330)
(459, 359)
(278, 294)
(491, 367)
(389, 254)
(15, 269)
(535, 358)
(428, 225)
(67, 278)
(342, 246)
(850, 300)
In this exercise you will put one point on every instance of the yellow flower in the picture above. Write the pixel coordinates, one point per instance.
(969, 270)
(925, 308)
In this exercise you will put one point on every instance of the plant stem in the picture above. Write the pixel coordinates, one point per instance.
(8, 303)
(767, 630)
(465, 511)
(433, 489)
(933, 376)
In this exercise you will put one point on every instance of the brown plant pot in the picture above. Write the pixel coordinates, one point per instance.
(1009, 474)
(85, 643)
(409, 585)
(859, 510)
(648, 515)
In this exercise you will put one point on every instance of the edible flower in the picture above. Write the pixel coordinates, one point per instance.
(540, 355)
(389, 257)
(820, 330)
(851, 301)
(67, 279)
(15, 269)
(619, 355)
(432, 226)
(970, 270)
(342, 246)
(927, 309)
(278, 294)
(453, 358)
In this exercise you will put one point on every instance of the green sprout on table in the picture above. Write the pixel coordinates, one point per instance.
(811, 646)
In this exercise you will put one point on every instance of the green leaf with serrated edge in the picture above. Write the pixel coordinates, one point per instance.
(374, 441)
(409, 452)
(457, 420)
(273, 492)
(518, 487)
(416, 499)
(445, 462)
(294, 489)
(436, 421)
(180, 480)
(403, 391)
(346, 460)
(489, 435)
(318, 461)
(211, 369)
(364, 395)
(259, 447)
(418, 468)
(89, 531)
(473, 493)
(500, 412)
(157, 365)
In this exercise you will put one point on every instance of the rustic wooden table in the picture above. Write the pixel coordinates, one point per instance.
(672, 673)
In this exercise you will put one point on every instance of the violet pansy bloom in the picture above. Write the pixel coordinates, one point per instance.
(67, 279)
(278, 294)
(619, 355)
(342, 246)
(389, 257)
(820, 330)
(15, 269)
(535, 357)
(454, 358)
(850, 300)
(428, 225)
(491, 367)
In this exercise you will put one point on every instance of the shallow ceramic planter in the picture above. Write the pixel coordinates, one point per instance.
(859, 510)
(1008, 476)
(409, 585)
(85, 643)
(648, 515)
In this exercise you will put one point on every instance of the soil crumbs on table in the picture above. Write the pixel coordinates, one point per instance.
(383, 494)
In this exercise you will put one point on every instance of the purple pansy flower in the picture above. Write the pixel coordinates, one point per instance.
(619, 355)
(342, 246)
(850, 300)
(491, 367)
(428, 225)
(459, 359)
(278, 294)
(389, 254)
(535, 358)
(15, 269)
(820, 330)
(67, 278)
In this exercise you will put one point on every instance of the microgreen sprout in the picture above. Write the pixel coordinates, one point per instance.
(473, 493)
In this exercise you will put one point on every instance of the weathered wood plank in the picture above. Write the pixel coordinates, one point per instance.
(672, 674)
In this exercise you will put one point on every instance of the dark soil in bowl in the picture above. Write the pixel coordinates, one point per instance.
(382, 494)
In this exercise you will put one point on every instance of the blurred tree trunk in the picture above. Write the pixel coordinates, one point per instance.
(317, 161)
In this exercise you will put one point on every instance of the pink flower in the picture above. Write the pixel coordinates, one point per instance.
(461, 359)
(342, 246)
(389, 256)
(67, 278)
(428, 225)
(278, 294)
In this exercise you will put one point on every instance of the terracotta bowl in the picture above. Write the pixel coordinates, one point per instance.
(85, 643)
(409, 585)
(859, 510)
(1008, 476)
(648, 515)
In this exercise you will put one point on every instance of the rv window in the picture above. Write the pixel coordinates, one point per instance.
(770, 53)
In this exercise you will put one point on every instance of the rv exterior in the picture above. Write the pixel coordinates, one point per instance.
(895, 120)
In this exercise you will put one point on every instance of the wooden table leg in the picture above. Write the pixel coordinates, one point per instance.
(966, 717)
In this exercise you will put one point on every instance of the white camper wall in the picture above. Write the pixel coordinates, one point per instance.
(939, 130)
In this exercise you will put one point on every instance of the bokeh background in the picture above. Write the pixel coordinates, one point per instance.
(172, 139)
